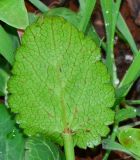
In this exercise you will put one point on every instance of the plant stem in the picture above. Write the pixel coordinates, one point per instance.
(113, 135)
(68, 146)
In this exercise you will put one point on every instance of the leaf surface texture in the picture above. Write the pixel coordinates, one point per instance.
(59, 84)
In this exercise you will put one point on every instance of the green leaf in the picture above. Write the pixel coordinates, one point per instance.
(3, 82)
(123, 28)
(32, 17)
(91, 32)
(59, 84)
(12, 32)
(86, 9)
(129, 78)
(133, 102)
(112, 145)
(138, 111)
(130, 138)
(40, 5)
(110, 10)
(67, 14)
(14, 13)
(7, 48)
(14, 146)
(38, 149)
(11, 140)
(125, 114)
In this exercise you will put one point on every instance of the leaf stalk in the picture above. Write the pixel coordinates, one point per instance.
(68, 146)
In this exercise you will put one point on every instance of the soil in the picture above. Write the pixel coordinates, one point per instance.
(123, 57)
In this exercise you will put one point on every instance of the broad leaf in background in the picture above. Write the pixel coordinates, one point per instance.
(38, 149)
(63, 100)
(7, 47)
(13, 33)
(11, 140)
(13, 146)
(3, 81)
(125, 113)
(112, 145)
(14, 13)
(130, 139)
(67, 14)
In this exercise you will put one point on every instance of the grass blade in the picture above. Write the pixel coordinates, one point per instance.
(110, 11)
(122, 27)
(38, 4)
(91, 32)
(131, 75)
(131, 102)
(86, 9)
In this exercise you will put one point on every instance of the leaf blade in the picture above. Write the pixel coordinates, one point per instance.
(70, 92)
(12, 142)
(5, 40)
(129, 138)
(10, 13)
(38, 148)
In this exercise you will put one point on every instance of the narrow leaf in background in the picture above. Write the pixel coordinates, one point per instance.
(123, 28)
(37, 148)
(86, 9)
(3, 81)
(14, 13)
(131, 102)
(131, 75)
(91, 32)
(110, 11)
(40, 5)
(32, 17)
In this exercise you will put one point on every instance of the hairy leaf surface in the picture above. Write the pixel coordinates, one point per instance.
(60, 85)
